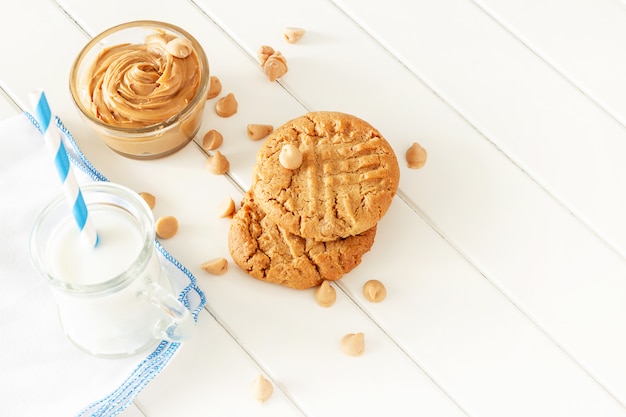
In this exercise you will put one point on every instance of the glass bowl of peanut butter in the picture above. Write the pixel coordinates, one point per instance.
(142, 87)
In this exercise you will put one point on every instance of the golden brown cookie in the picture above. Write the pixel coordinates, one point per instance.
(269, 253)
(345, 184)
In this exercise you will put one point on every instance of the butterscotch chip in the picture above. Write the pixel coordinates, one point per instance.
(325, 295)
(353, 344)
(416, 156)
(215, 87)
(259, 131)
(226, 106)
(212, 140)
(290, 156)
(217, 164)
(149, 199)
(166, 227)
(374, 291)
(293, 35)
(226, 208)
(263, 53)
(216, 266)
(179, 47)
(347, 180)
(262, 389)
(269, 253)
(275, 66)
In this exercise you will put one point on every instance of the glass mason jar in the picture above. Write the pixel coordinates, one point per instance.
(114, 299)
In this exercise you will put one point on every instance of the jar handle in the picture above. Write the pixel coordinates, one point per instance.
(178, 324)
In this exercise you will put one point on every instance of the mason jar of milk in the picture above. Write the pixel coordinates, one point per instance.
(114, 299)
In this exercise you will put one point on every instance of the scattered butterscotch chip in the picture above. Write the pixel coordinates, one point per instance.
(148, 198)
(166, 227)
(258, 131)
(226, 207)
(217, 163)
(274, 64)
(416, 156)
(216, 266)
(325, 294)
(262, 389)
(290, 156)
(212, 140)
(226, 106)
(263, 53)
(293, 35)
(215, 87)
(374, 291)
(353, 344)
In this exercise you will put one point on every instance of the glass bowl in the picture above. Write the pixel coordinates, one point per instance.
(142, 86)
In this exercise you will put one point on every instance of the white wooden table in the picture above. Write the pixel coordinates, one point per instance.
(504, 258)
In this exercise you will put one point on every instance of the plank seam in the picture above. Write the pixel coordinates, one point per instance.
(596, 101)
(256, 361)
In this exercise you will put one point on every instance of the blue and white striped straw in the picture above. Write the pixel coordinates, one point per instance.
(52, 137)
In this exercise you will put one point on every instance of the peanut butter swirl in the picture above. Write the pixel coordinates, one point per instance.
(138, 85)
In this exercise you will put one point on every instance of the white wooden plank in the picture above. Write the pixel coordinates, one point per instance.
(213, 352)
(457, 325)
(547, 126)
(549, 253)
(52, 60)
(509, 227)
(312, 370)
(583, 41)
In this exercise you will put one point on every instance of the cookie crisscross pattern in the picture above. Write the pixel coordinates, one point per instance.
(344, 186)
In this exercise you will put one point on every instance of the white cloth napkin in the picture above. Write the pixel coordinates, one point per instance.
(41, 372)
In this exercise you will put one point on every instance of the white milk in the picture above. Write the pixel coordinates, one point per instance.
(118, 321)
(119, 244)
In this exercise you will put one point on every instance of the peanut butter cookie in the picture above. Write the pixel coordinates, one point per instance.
(345, 184)
(269, 253)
